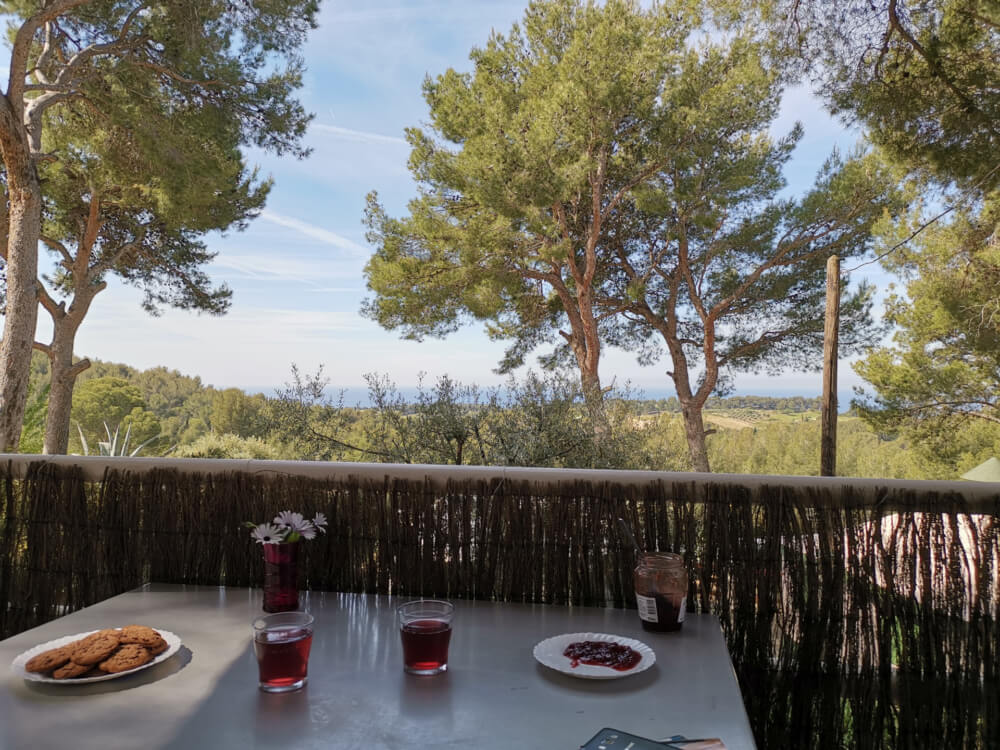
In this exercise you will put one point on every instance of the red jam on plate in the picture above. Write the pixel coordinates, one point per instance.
(602, 654)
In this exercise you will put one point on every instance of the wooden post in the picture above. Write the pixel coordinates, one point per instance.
(828, 439)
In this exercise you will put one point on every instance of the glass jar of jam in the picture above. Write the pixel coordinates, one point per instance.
(661, 585)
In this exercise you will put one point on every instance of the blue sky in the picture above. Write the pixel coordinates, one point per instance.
(297, 271)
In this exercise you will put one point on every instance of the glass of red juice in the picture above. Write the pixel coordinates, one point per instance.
(425, 628)
(281, 642)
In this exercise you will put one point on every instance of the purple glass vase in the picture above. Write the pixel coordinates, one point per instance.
(281, 577)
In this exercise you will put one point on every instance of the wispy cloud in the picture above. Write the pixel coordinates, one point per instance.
(282, 267)
(315, 232)
(410, 12)
(359, 136)
(242, 328)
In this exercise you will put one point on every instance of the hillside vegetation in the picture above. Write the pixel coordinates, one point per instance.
(539, 421)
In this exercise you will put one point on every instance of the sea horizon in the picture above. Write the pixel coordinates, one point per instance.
(358, 396)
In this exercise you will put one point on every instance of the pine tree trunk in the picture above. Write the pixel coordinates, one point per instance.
(694, 429)
(65, 324)
(593, 397)
(692, 404)
(24, 229)
(64, 375)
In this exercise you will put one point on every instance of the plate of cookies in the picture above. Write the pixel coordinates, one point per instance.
(96, 655)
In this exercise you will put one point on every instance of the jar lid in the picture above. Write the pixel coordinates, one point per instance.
(660, 560)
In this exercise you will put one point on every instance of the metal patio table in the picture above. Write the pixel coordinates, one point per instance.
(495, 695)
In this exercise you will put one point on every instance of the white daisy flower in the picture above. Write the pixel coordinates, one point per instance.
(287, 526)
(267, 533)
(289, 520)
(320, 522)
(296, 524)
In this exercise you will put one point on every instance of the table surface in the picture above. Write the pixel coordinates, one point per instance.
(494, 694)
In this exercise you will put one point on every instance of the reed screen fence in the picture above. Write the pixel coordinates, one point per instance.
(856, 616)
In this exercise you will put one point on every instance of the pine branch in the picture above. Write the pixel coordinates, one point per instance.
(109, 260)
(21, 49)
(56, 310)
(175, 76)
(958, 203)
(67, 258)
(933, 64)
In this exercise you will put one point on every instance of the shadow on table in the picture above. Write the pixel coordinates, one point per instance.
(148, 676)
(234, 694)
(269, 720)
(419, 695)
(327, 711)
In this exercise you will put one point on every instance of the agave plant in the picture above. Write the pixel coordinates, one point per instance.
(111, 446)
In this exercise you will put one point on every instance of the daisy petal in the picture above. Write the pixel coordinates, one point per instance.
(267, 533)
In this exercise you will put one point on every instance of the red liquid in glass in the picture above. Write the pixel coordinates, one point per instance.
(283, 656)
(425, 644)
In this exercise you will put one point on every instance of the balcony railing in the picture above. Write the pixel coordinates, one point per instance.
(859, 613)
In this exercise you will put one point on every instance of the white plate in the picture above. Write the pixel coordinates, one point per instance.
(173, 646)
(550, 653)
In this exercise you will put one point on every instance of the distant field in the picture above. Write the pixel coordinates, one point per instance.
(730, 423)
(741, 419)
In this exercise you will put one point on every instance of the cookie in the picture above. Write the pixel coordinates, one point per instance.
(49, 660)
(96, 647)
(129, 656)
(94, 672)
(140, 634)
(158, 648)
(71, 669)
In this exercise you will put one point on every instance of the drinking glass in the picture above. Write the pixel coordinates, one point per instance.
(281, 642)
(425, 628)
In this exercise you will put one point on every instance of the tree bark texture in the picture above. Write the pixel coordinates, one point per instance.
(61, 393)
(694, 430)
(65, 324)
(584, 335)
(21, 314)
(828, 438)
(593, 397)
(64, 375)
(692, 404)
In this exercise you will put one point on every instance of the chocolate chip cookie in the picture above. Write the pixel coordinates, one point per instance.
(71, 669)
(96, 647)
(49, 660)
(127, 657)
(159, 647)
(144, 636)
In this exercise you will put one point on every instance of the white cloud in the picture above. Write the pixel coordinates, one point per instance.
(315, 232)
(423, 12)
(282, 267)
(359, 136)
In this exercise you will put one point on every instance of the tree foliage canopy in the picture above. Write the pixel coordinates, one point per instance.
(138, 113)
(605, 176)
(527, 163)
(920, 76)
(943, 369)
(111, 403)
